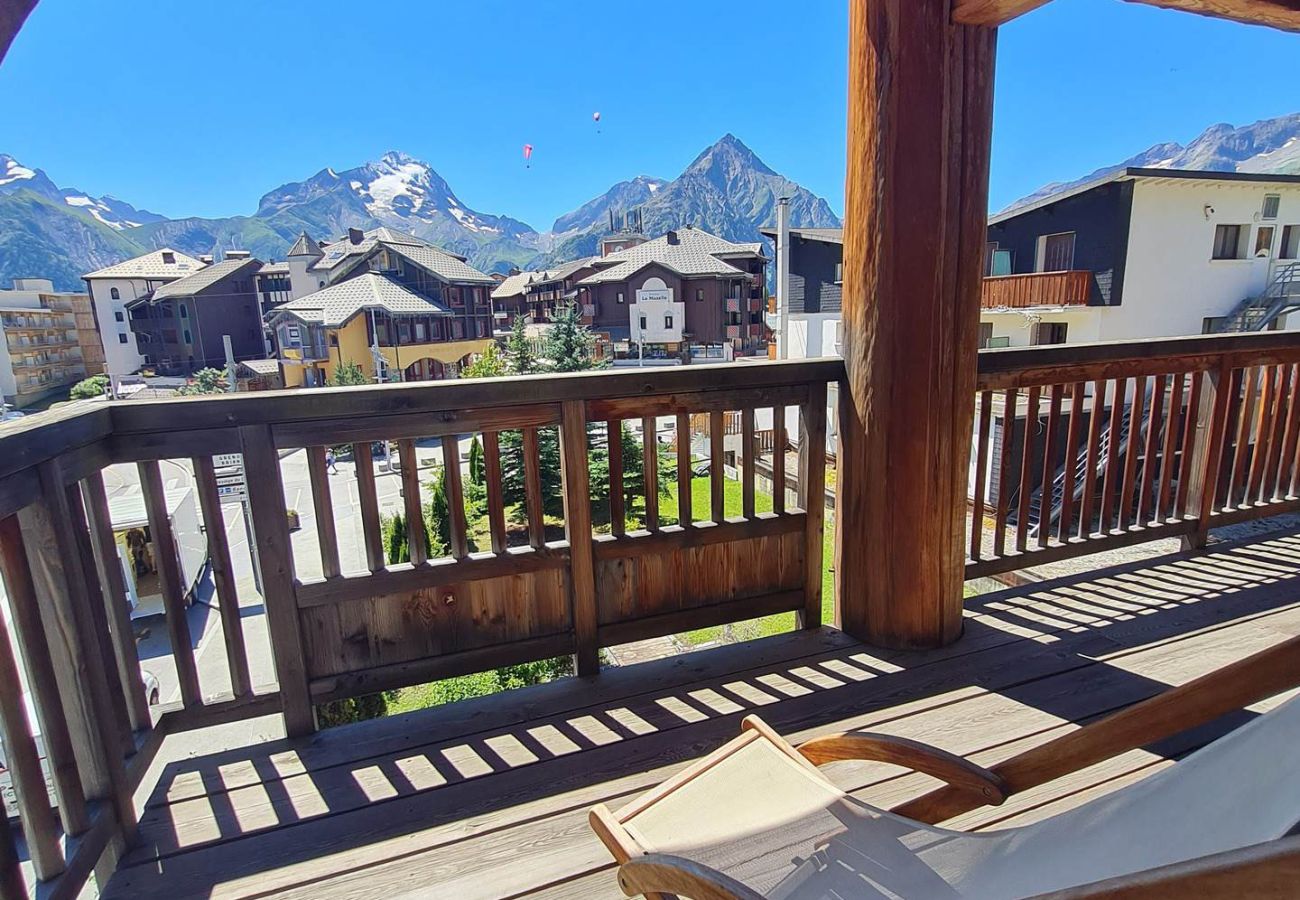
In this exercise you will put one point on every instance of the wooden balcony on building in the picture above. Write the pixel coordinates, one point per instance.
(1070, 288)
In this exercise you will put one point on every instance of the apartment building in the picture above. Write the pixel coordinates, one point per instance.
(181, 327)
(113, 287)
(688, 295)
(395, 305)
(40, 350)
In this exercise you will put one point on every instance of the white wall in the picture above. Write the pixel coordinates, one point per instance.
(1082, 324)
(302, 282)
(119, 358)
(655, 312)
(1171, 285)
(811, 335)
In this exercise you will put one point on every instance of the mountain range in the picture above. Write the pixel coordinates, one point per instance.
(61, 233)
(1270, 146)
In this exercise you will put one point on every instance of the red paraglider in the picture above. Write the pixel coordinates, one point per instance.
(528, 155)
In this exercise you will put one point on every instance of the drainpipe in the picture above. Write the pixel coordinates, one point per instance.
(783, 277)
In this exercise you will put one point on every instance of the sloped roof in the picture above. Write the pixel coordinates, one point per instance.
(305, 246)
(274, 269)
(151, 265)
(335, 305)
(564, 270)
(440, 263)
(824, 235)
(261, 366)
(513, 286)
(696, 253)
(204, 278)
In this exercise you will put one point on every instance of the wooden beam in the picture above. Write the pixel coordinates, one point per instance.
(920, 121)
(991, 13)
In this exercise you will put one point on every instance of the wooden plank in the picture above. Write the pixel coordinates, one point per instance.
(1004, 473)
(455, 498)
(262, 700)
(717, 493)
(991, 13)
(170, 580)
(36, 439)
(412, 503)
(698, 534)
(696, 617)
(12, 884)
(778, 459)
(1277, 436)
(360, 427)
(617, 506)
(709, 399)
(495, 499)
(685, 475)
(812, 484)
(1091, 464)
(650, 469)
(748, 448)
(1192, 444)
(1051, 449)
(117, 612)
(1168, 453)
(533, 489)
(979, 491)
(51, 546)
(402, 578)
(1096, 543)
(322, 509)
(1204, 490)
(368, 499)
(1281, 14)
(1242, 420)
(274, 559)
(1113, 474)
(577, 528)
(1262, 427)
(223, 570)
(1289, 469)
(1137, 415)
(1150, 477)
(1065, 525)
(24, 766)
(38, 658)
(1026, 468)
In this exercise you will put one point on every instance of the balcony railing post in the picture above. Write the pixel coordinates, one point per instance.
(577, 528)
(1207, 458)
(812, 488)
(274, 558)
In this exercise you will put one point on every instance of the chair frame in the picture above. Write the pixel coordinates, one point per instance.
(1271, 869)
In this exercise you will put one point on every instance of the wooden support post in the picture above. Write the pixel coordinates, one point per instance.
(920, 120)
(367, 497)
(812, 487)
(275, 558)
(1207, 463)
(577, 528)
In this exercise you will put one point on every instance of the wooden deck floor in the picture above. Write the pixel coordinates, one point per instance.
(488, 798)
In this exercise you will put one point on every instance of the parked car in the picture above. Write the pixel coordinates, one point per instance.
(151, 689)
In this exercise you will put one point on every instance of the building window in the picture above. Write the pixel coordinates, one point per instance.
(121, 339)
(986, 334)
(404, 331)
(334, 338)
(1056, 252)
(457, 329)
(1000, 262)
(1228, 243)
(479, 329)
(1271, 204)
(118, 316)
(1049, 333)
(699, 294)
(1290, 246)
(185, 311)
(1264, 241)
(620, 296)
(115, 293)
(668, 323)
(168, 257)
(420, 332)
(188, 339)
(642, 323)
(839, 273)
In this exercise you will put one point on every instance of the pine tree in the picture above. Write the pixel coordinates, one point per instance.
(570, 345)
(396, 549)
(488, 364)
(520, 358)
(476, 472)
(348, 373)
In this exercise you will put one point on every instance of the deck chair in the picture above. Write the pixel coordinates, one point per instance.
(758, 819)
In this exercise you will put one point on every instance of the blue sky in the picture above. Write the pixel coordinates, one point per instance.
(197, 108)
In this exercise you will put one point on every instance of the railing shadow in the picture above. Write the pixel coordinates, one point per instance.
(1058, 648)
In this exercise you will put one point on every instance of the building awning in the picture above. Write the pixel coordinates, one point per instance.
(443, 351)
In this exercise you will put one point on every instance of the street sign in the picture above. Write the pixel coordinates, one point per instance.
(233, 478)
(228, 461)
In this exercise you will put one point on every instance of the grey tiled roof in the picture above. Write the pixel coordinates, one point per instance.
(513, 286)
(261, 366)
(564, 270)
(335, 305)
(825, 235)
(151, 265)
(695, 253)
(204, 278)
(274, 269)
(440, 263)
(305, 246)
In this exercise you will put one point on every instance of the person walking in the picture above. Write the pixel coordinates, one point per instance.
(329, 461)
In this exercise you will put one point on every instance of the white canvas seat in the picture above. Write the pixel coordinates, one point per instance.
(772, 824)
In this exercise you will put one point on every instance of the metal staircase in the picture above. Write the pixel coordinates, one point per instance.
(1257, 313)
(1081, 465)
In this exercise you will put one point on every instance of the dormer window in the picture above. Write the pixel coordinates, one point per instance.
(169, 258)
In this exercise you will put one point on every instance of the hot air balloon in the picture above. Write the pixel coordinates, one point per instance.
(528, 155)
(595, 117)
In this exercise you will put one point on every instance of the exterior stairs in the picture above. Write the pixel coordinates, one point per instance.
(1258, 313)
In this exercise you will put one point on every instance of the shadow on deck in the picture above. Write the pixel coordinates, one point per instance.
(488, 798)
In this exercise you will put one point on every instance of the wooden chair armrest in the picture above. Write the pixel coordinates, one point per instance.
(948, 767)
(660, 873)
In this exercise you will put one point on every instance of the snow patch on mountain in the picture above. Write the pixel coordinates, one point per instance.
(15, 172)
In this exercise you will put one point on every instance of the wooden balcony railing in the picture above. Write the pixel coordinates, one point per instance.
(568, 588)
(1037, 289)
(1080, 448)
